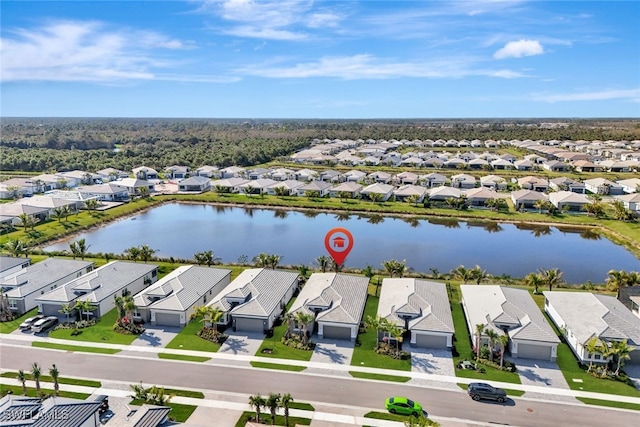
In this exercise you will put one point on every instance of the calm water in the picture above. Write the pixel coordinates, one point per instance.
(180, 230)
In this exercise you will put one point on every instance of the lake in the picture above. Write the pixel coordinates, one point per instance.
(181, 230)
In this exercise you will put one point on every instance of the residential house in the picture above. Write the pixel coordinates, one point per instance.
(463, 181)
(568, 200)
(10, 212)
(582, 316)
(198, 184)
(555, 166)
(256, 186)
(493, 182)
(478, 164)
(25, 285)
(379, 177)
(336, 300)
(228, 185)
(78, 177)
(320, 188)
(511, 312)
(354, 176)
(630, 201)
(406, 178)
(208, 171)
(330, 176)
(232, 172)
(479, 196)
(631, 185)
(629, 296)
(455, 163)
(586, 166)
(11, 265)
(384, 190)
(177, 172)
(282, 174)
(567, 184)
(109, 192)
(173, 299)
(145, 173)
(421, 307)
(306, 175)
(442, 193)
(433, 162)
(433, 180)
(533, 183)
(404, 192)
(603, 186)
(258, 173)
(348, 187)
(523, 165)
(99, 287)
(22, 411)
(526, 199)
(134, 186)
(502, 164)
(256, 298)
(285, 188)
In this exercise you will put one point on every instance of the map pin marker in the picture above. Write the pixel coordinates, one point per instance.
(339, 243)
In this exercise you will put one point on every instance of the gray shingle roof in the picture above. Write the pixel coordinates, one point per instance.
(57, 412)
(262, 289)
(512, 307)
(41, 274)
(343, 295)
(182, 288)
(427, 299)
(149, 416)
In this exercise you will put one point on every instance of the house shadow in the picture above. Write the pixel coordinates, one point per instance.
(332, 354)
(423, 364)
(234, 345)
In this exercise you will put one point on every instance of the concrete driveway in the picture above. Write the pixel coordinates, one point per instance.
(542, 373)
(156, 336)
(333, 352)
(634, 373)
(432, 361)
(242, 343)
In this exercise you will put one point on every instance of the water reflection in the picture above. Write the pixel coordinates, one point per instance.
(280, 213)
(447, 222)
(413, 222)
(375, 219)
(248, 211)
(343, 216)
(310, 213)
(489, 226)
(537, 230)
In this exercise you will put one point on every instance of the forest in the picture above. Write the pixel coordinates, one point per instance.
(58, 144)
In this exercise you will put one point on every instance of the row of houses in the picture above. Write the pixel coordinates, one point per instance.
(257, 297)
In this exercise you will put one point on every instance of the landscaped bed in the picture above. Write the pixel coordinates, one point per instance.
(102, 331)
(188, 340)
(248, 416)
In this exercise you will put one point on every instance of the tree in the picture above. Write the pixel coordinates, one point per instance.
(22, 377)
(552, 277)
(493, 338)
(344, 195)
(91, 204)
(619, 279)
(273, 403)
(396, 333)
(592, 346)
(395, 267)
(129, 307)
(84, 307)
(273, 260)
(15, 247)
(594, 208)
(534, 280)
(55, 376)
(261, 260)
(303, 319)
(463, 274)
(323, 262)
(60, 213)
(478, 274)
(81, 248)
(380, 324)
(620, 211)
(206, 258)
(36, 373)
(414, 199)
(66, 309)
(285, 400)
(133, 253)
(144, 192)
(368, 272)
(622, 352)
(376, 197)
(503, 340)
(146, 253)
(26, 221)
(257, 402)
(479, 330)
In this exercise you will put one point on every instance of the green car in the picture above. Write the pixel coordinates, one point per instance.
(403, 406)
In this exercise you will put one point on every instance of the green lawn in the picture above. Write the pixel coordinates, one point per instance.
(266, 418)
(183, 357)
(179, 412)
(188, 340)
(609, 403)
(185, 393)
(462, 343)
(61, 380)
(84, 349)
(12, 325)
(102, 331)
(31, 392)
(392, 417)
(380, 377)
(278, 366)
(365, 355)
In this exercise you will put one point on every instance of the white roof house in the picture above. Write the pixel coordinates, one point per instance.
(511, 312)
(385, 190)
(572, 201)
(409, 190)
(254, 300)
(337, 300)
(420, 306)
(584, 315)
(173, 299)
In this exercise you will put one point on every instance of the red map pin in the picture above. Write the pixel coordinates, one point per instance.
(339, 243)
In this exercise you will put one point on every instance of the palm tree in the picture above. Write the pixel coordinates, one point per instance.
(261, 260)
(258, 403)
(73, 247)
(323, 262)
(620, 279)
(463, 274)
(622, 353)
(493, 338)
(133, 253)
(395, 267)
(15, 247)
(59, 213)
(91, 205)
(379, 323)
(146, 253)
(540, 205)
(273, 260)
(55, 376)
(552, 277)
(26, 221)
(129, 307)
(592, 347)
(285, 400)
(22, 377)
(503, 340)
(79, 248)
(479, 329)
(84, 307)
(273, 403)
(66, 309)
(144, 192)
(533, 279)
(478, 274)
(213, 315)
(396, 333)
(36, 372)
(303, 319)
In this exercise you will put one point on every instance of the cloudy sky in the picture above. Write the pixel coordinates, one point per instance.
(320, 59)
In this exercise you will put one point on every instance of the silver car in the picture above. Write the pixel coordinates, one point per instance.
(44, 324)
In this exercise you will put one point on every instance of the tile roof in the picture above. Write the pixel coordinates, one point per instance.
(39, 275)
(343, 297)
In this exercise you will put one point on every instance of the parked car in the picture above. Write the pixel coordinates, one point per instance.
(479, 391)
(104, 403)
(28, 322)
(44, 324)
(403, 406)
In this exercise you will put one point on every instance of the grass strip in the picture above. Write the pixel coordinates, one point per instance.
(278, 366)
(393, 417)
(379, 377)
(185, 393)
(61, 380)
(183, 357)
(79, 348)
(301, 406)
(179, 412)
(266, 419)
(31, 392)
(609, 403)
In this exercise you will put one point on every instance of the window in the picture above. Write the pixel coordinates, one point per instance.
(204, 299)
(597, 356)
(12, 304)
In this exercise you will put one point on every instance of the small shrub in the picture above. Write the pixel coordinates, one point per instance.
(210, 334)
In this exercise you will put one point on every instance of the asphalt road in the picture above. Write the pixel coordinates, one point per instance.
(304, 387)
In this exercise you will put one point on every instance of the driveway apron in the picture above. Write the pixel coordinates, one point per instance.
(542, 373)
(156, 336)
(242, 343)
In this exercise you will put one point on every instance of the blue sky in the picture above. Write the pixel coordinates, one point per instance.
(320, 59)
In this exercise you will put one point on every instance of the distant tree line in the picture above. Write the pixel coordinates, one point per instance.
(48, 144)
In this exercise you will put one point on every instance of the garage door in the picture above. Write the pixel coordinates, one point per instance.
(250, 325)
(336, 332)
(531, 351)
(431, 341)
(167, 319)
(635, 357)
(51, 310)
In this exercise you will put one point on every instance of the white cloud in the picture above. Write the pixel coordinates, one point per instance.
(82, 51)
(365, 66)
(520, 48)
(629, 94)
